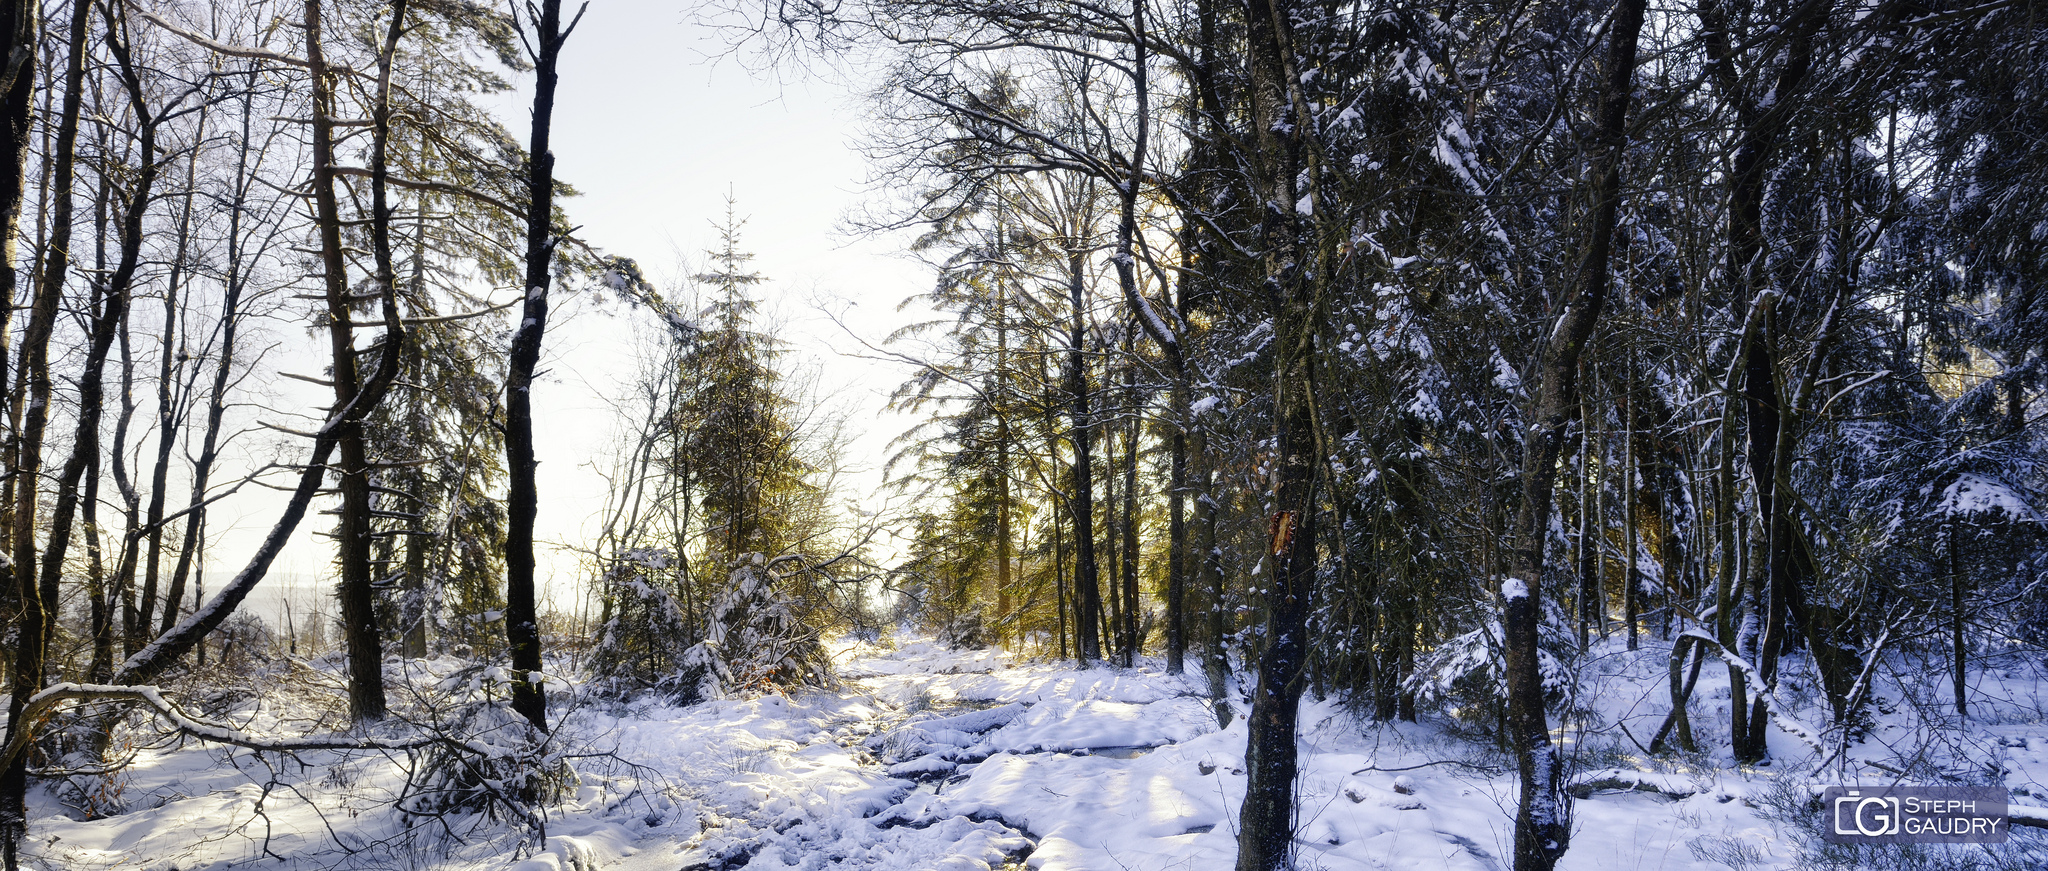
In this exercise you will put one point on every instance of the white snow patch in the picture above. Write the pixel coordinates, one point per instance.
(1972, 493)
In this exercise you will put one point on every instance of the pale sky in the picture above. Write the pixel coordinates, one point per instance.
(653, 125)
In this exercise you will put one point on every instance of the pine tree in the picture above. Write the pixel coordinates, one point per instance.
(742, 443)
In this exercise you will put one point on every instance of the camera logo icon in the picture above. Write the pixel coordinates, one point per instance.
(1869, 816)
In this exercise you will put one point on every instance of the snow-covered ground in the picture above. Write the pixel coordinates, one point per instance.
(927, 758)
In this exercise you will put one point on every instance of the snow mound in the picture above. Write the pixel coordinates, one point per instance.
(1073, 725)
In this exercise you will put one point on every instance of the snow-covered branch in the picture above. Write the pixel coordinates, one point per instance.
(42, 704)
(1803, 732)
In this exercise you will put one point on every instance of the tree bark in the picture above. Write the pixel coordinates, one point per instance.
(167, 410)
(1266, 819)
(1677, 721)
(1208, 567)
(1130, 639)
(1542, 824)
(1004, 533)
(19, 30)
(1592, 605)
(352, 531)
(522, 623)
(1759, 128)
(1958, 641)
(1112, 542)
(1631, 583)
(1177, 562)
(1081, 505)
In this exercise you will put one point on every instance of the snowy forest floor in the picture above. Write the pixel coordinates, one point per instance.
(927, 758)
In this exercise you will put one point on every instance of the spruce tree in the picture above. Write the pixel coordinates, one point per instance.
(744, 445)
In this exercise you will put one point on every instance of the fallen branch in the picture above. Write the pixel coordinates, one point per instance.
(2026, 815)
(1665, 785)
(42, 704)
(1483, 769)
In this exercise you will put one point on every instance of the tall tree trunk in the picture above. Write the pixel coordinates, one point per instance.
(1591, 605)
(1958, 641)
(99, 594)
(1680, 592)
(418, 540)
(1199, 557)
(1177, 562)
(1112, 541)
(1081, 504)
(1131, 639)
(168, 403)
(19, 31)
(1631, 581)
(199, 601)
(1542, 824)
(1004, 534)
(1208, 566)
(152, 659)
(1124, 259)
(522, 623)
(360, 631)
(381, 218)
(111, 307)
(135, 619)
(135, 623)
(1760, 124)
(1059, 572)
(1728, 571)
(234, 282)
(1180, 422)
(352, 532)
(1266, 819)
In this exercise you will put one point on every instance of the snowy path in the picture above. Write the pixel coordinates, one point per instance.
(930, 758)
(934, 759)
(925, 759)
(966, 761)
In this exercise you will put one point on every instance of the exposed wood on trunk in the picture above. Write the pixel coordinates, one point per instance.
(1281, 120)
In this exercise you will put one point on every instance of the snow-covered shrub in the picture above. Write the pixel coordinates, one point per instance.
(1467, 675)
(755, 639)
(702, 675)
(964, 632)
(943, 610)
(246, 642)
(644, 643)
(492, 762)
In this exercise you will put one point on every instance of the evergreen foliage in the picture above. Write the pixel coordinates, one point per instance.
(742, 442)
